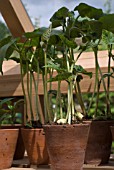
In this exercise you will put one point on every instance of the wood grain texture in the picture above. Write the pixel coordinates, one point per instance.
(15, 17)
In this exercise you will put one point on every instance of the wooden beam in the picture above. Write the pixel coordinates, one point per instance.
(15, 17)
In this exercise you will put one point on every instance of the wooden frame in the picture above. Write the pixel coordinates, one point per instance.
(15, 17)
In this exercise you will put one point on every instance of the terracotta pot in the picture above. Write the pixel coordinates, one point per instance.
(19, 151)
(99, 143)
(20, 148)
(7, 146)
(66, 145)
(35, 145)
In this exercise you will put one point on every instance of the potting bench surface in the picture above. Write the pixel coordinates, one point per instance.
(88, 167)
(24, 165)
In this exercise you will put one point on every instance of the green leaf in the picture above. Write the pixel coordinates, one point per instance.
(75, 32)
(56, 23)
(80, 69)
(108, 22)
(17, 103)
(54, 39)
(54, 66)
(60, 14)
(95, 29)
(5, 41)
(3, 101)
(36, 33)
(60, 77)
(86, 10)
(5, 53)
(107, 75)
(107, 37)
(69, 43)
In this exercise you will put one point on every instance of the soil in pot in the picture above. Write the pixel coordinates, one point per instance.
(66, 145)
(35, 145)
(99, 143)
(7, 146)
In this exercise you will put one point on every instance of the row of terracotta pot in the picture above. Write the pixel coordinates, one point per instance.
(88, 143)
(15, 141)
(68, 146)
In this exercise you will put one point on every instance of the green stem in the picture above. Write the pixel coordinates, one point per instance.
(96, 83)
(29, 91)
(108, 80)
(36, 95)
(23, 87)
(69, 108)
(47, 113)
(59, 99)
(97, 80)
(79, 97)
(45, 108)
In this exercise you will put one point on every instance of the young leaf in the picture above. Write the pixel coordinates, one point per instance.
(60, 77)
(36, 33)
(61, 13)
(108, 22)
(86, 10)
(4, 52)
(80, 69)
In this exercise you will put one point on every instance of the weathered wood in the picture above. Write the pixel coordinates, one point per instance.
(15, 17)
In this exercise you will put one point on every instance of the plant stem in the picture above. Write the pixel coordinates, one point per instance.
(79, 97)
(69, 114)
(28, 91)
(45, 107)
(23, 87)
(108, 79)
(36, 96)
(47, 113)
(59, 99)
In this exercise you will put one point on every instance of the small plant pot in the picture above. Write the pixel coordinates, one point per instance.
(66, 145)
(20, 148)
(7, 147)
(99, 143)
(35, 145)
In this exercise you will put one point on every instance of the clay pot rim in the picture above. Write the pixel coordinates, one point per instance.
(67, 126)
(32, 129)
(9, 129)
